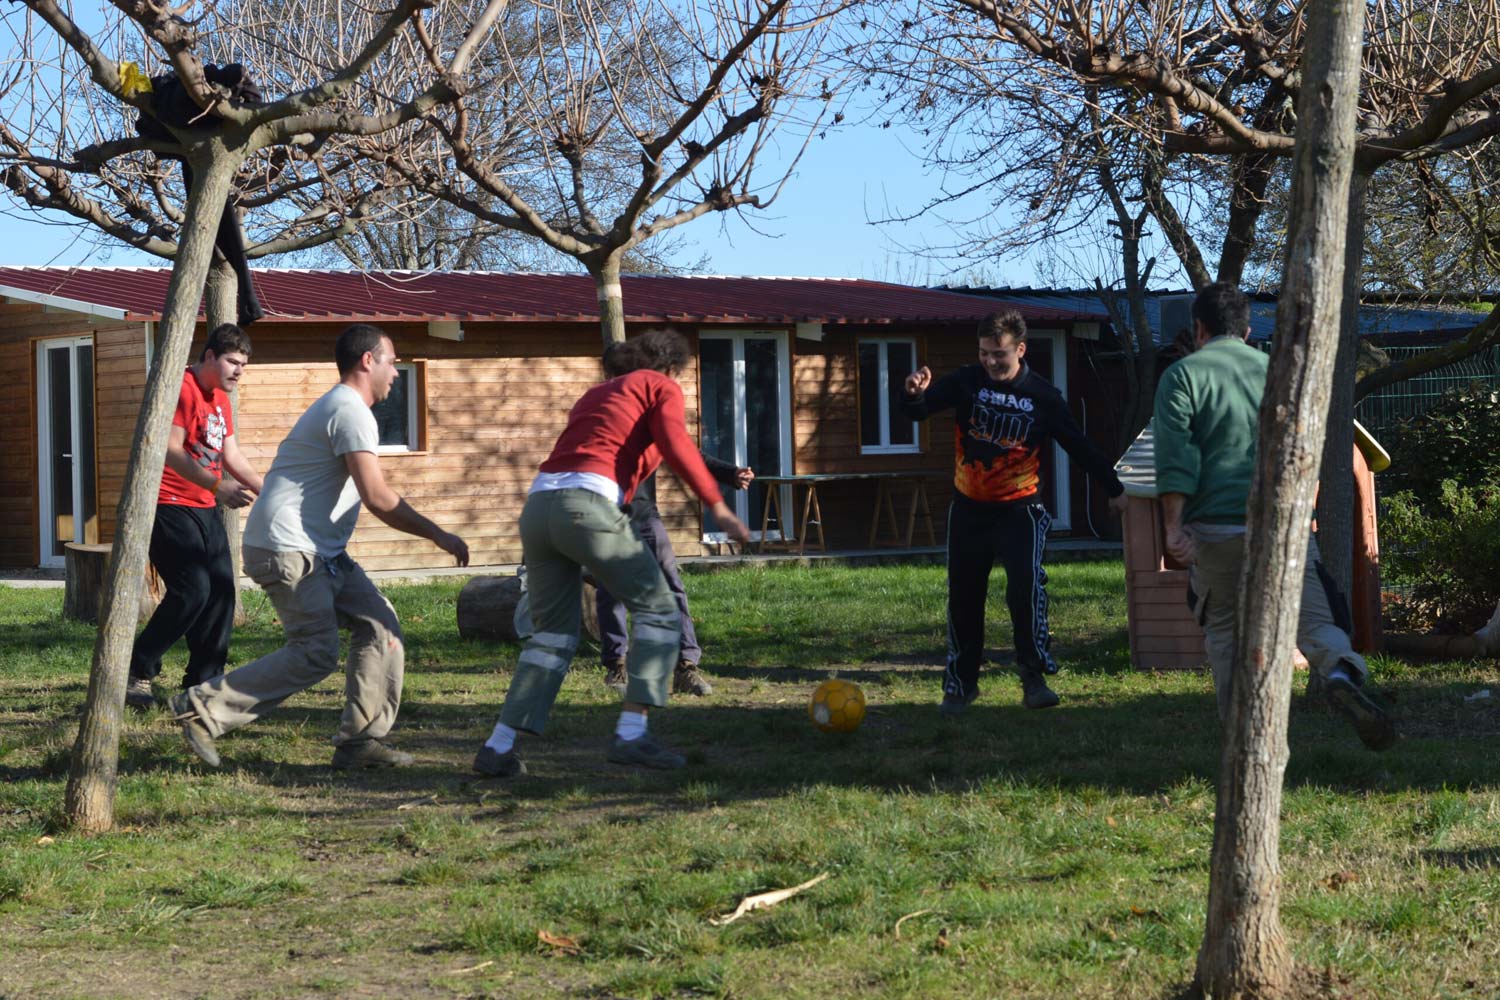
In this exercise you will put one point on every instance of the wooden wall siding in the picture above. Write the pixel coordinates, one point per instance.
(1163, 632)
(120, 388)
(117, 393)
(495, 404)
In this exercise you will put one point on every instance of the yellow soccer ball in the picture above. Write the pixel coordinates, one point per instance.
(837, 707)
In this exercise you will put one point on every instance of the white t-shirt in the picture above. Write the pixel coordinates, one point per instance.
(310, 503)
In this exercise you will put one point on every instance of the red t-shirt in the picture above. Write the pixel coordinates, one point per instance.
(623, 429)
(207, 419)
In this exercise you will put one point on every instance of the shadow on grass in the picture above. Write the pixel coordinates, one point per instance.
(1145, 745)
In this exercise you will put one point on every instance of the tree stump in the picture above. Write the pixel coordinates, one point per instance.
(487, 608)
(83, 590)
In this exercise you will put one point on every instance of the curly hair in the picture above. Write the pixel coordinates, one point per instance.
(664, 351)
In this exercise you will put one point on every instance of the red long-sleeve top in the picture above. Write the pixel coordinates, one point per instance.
(624, 428)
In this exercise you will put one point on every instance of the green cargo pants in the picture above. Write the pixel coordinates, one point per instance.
(564, 532)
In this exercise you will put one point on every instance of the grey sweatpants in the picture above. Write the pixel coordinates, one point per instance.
(314, 598)
(1215, 582)
(562, 533)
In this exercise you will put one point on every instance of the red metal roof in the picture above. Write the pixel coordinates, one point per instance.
(390, 296)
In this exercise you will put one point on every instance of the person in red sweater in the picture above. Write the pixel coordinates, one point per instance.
(617, 434)
(189, 548)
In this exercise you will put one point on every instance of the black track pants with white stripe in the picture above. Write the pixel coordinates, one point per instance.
(979, 535)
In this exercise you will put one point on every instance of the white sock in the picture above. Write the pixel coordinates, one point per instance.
(502, 740)
(1341, 673)
(632, 725)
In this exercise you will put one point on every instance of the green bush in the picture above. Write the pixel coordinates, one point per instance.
(1443, 548)
(1455, 439)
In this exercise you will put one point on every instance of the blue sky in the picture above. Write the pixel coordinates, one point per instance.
(820, 225)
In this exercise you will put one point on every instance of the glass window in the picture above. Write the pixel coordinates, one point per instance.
(883, 367)
(396, 414)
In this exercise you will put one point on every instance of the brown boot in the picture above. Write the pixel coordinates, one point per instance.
(614, 676)
(687, 679)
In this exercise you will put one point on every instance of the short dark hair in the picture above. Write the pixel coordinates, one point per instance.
(226, 338)
(1222, 309)
(1005, 323)
(664, 351)
(353, 343)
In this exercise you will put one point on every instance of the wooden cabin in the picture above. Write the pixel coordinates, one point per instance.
(1163, 633)
(790, 376)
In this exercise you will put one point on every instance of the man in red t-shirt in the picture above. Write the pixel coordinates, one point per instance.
(188, 545)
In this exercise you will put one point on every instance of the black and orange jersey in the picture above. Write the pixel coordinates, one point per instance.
(1000, 429)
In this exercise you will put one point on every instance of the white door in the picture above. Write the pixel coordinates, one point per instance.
(65, 423)
(745, 406)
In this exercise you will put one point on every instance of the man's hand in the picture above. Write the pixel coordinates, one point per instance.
(232, 494)
(732, 525)
(1180, 545)
(743, 478)
(454, 546)
(918, 381)
(1117, 505)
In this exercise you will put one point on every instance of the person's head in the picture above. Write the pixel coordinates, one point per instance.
(366, 357)
(664, 351)
(225, 355)
(1002, 344)
(1220, 310)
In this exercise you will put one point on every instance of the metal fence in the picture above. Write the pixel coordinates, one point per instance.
(1383, 409)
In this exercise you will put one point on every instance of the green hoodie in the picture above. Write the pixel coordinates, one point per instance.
(1206, 423)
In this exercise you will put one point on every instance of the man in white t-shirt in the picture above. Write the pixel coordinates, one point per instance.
(294, 547)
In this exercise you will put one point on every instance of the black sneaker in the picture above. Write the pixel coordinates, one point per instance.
(493, 764)
(194, 732)
(1370, 722)
(1035, 692)
(138, 695)
(687, 679)
(370, 753)
(645, 752)
(614, 676)
(954, 705)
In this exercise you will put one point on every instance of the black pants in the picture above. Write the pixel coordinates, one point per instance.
(191, 553)
(978, 535)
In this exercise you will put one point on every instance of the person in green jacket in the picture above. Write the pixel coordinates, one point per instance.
(1206, 424)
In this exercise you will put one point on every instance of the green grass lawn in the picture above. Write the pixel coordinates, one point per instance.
(1011, 854)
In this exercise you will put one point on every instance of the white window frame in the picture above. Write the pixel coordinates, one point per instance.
(884, 401)
(44, 404)
(413, 428)
(739, 500)
(1062, 477)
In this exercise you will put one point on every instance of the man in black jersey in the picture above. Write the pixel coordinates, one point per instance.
(1004, 415)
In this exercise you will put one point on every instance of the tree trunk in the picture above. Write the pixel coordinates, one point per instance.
(90, 798)
(1244, 952)
(1336, 490)
(221, 305)
(611, 299)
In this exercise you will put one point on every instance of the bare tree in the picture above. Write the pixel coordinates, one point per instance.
(1244, 952)
(216, 145)
(645, 115)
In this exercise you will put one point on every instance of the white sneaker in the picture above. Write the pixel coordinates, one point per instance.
(1489, 636)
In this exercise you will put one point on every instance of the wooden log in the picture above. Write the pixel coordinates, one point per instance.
(87, 565)
(1436, 647)
(487, 608)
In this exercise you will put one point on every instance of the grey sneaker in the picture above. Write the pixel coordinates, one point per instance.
(687, 679)
(645, 752)
(138, 695)
(370, 753)
(194, 732)
(954, 705)
(1370, 722)
(1036, 693)
(614, 676)
(493, 764)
